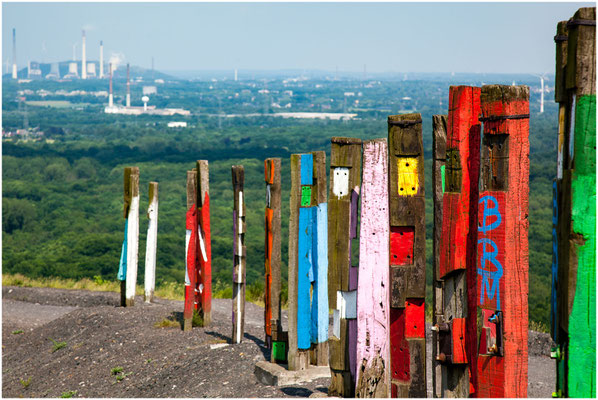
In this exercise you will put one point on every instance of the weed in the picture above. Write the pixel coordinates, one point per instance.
(26, 383)
(17, 332)
(57, 345)
(68, 395)
(538, 326)
(116, 370)
(149, 360)
(122, 376)
(98, 280)
(255, 292)
(197, 319)
(168, 322)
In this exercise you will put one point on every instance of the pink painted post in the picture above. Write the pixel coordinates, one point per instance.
(373, 352)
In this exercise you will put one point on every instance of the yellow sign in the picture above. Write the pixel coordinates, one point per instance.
(408, 181)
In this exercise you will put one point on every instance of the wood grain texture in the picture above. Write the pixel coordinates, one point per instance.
(204, 276)
(345, 154)
(373, 353)
(191, 243)
(132, 237)
(439, 129)
(239, 253)
(272, 312)
(504, 209)
(295, 199)
(151, 243)
(407, 255)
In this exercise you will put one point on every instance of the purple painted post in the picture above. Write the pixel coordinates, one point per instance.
(373, 353)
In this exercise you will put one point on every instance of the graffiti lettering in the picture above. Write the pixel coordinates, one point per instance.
(490, 269)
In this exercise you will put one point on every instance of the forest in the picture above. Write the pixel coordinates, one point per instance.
(62, 196)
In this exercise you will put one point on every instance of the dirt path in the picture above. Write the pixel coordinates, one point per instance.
(155, 362)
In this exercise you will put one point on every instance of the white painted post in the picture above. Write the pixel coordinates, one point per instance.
(133, 239)
(152, 243)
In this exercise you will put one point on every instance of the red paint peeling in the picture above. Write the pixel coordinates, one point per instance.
(415, 318)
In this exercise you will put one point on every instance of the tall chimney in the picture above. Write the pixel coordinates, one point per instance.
(83, 58)
(128, 88)
(101, 59)
(110, 98)
(14, 54)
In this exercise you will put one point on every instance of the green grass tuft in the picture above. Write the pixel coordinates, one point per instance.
(57, 345)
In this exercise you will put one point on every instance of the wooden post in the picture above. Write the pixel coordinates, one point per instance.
(308, 266)
(373, 350)
(132, 237)
(458, 238)
(203, 289)
(500, 303)
(272, 313)
(439, 127)
(345, 182)
(407, 256)
(191, 242)
(239, 253)
(575, 286)
(128, 196)
(151, 243)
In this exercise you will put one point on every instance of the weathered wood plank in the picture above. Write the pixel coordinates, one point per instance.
(373, 352)
(239, 253)
(132, 237)
(204, 277)
(407, 255)
(502, 273)
(295, 201)
(439, 128)
(151, 243)
(345, 180)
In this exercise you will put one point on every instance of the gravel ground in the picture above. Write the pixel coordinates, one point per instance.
(155, 362)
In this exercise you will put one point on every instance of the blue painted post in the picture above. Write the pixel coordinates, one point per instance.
(308, 264)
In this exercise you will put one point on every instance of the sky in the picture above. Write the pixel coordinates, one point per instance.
(383, 37)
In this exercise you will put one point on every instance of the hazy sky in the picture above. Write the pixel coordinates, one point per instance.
(386, 37)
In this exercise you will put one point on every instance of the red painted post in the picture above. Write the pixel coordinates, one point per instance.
(203, 287)
(190, 250)
(456, 340)
(498, 305)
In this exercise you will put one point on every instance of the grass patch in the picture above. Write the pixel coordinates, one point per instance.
(168, 322)
(538, 326)
(116, 370)
(68, 395)
(17, 332)
(57, 345)
(196, 320)
(26, 383)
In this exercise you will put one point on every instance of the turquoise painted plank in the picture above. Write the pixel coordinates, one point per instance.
(122, 266)
(319, 310)
(305, 261)
(307, 169)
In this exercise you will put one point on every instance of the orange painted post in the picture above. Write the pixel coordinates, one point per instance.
(275, 337)
(501, 296)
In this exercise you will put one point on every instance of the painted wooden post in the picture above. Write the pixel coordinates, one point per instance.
(191, 242)
(128, 255)
(239, 253)
(151, 243)
(574, 330)
(203, 288)
(373, 350)
(407, 256)
(345, 182)
(275, 337)
(458, 242)
(500, 303)
(439, 128)
(308, 261)
(133, 238)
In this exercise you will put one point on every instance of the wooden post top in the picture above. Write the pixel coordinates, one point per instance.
(203, 180)
(191, 188)
(238, 175)
(131, 187)
(405, 135)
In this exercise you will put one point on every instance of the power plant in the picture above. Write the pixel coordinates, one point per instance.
(83, 58)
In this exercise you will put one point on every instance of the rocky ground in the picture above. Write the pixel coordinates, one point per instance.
(82, 343)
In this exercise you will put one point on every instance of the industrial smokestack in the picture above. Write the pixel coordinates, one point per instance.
(83, 58)
(14, 54)
(128, 88)
(101, 59)
(235, 74)
(110, 98)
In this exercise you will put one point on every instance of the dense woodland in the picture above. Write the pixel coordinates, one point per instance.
(62, 196)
